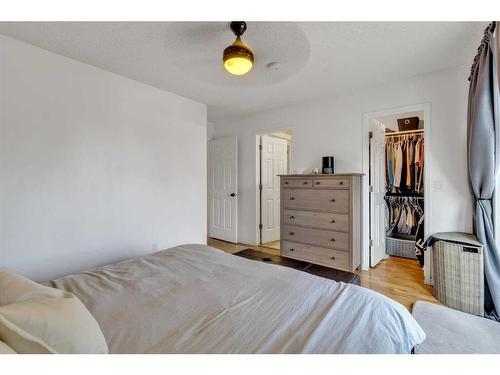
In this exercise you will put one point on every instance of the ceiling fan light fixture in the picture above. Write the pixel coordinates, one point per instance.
(238, 57)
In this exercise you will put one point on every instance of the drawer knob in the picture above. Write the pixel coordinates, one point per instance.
(291, 233)
(305, 182)
(317, 182)
(292, 217)
(292, 198)
(332, 258)
(332, 240)
(333, 200)
(341, 183)
(333, 221)
(286, 182)
(292, 249)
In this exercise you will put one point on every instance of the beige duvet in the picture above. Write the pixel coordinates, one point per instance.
(197, 299)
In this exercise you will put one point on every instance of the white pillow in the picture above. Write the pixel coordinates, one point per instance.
(38, 319)
(5, 349)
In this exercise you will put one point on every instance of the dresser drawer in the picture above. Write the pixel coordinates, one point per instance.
(316, 255)
(312, 199)
(331, 183)
(317, 219)
(296, 182)
(317, 237)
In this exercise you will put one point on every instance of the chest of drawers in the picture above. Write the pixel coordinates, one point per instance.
(321, 219)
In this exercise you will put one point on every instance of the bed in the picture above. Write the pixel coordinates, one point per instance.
(197, 299)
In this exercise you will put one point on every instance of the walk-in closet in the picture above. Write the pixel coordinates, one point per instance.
(397, 175)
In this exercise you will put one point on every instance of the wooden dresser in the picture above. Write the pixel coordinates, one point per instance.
(321, 219)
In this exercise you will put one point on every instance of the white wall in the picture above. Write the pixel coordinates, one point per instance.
(94, 167)
(210, 130)
(333, 126)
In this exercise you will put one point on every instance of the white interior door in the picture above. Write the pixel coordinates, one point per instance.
(223, 188)
(273, 163)
(377, 203)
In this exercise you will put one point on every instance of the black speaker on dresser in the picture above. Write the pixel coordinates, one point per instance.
(328, 165)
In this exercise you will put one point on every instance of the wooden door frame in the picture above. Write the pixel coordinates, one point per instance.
(421, 107)
(258, 198)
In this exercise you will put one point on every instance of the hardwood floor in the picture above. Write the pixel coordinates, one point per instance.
(397, 278)
(229, 247)
(275, 245)
(400, 279)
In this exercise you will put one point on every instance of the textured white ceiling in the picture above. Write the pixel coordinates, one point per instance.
(314, 59)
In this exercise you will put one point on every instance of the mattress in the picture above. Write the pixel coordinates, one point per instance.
(197, 299)
(455, 332)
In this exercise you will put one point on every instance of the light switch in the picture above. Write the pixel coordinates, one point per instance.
(438, 186)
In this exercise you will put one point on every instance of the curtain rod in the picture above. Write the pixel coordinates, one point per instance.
(490, 29)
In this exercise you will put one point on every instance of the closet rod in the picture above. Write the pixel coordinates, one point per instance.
(405, 196)
(393, 134)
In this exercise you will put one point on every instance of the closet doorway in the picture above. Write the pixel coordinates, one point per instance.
(273, 155)
(397, 184)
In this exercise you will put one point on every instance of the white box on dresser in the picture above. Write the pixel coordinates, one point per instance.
(321, 219)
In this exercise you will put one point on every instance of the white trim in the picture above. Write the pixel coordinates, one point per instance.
(423, 107)
(257, 190)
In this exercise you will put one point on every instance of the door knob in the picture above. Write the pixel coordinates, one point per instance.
(233, 194)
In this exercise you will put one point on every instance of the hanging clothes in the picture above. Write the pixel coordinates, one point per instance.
(421, 168)
(403, 215)
(409, 162)
(404, 163)
(398, 152)
(388, 165)
(416, 161)
(404, 209)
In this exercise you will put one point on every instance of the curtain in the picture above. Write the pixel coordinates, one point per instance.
(482, 125)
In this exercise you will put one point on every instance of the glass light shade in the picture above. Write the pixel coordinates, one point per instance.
(238, 65)
(238, 58)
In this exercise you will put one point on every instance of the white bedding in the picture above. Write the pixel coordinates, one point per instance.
(197, 299)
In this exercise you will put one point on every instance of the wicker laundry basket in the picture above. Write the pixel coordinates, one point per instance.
(457, 271)
(400, 247)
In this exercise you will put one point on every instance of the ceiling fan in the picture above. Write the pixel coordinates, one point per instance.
(238, 57)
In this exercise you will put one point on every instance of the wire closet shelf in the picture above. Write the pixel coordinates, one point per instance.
(405, 132)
